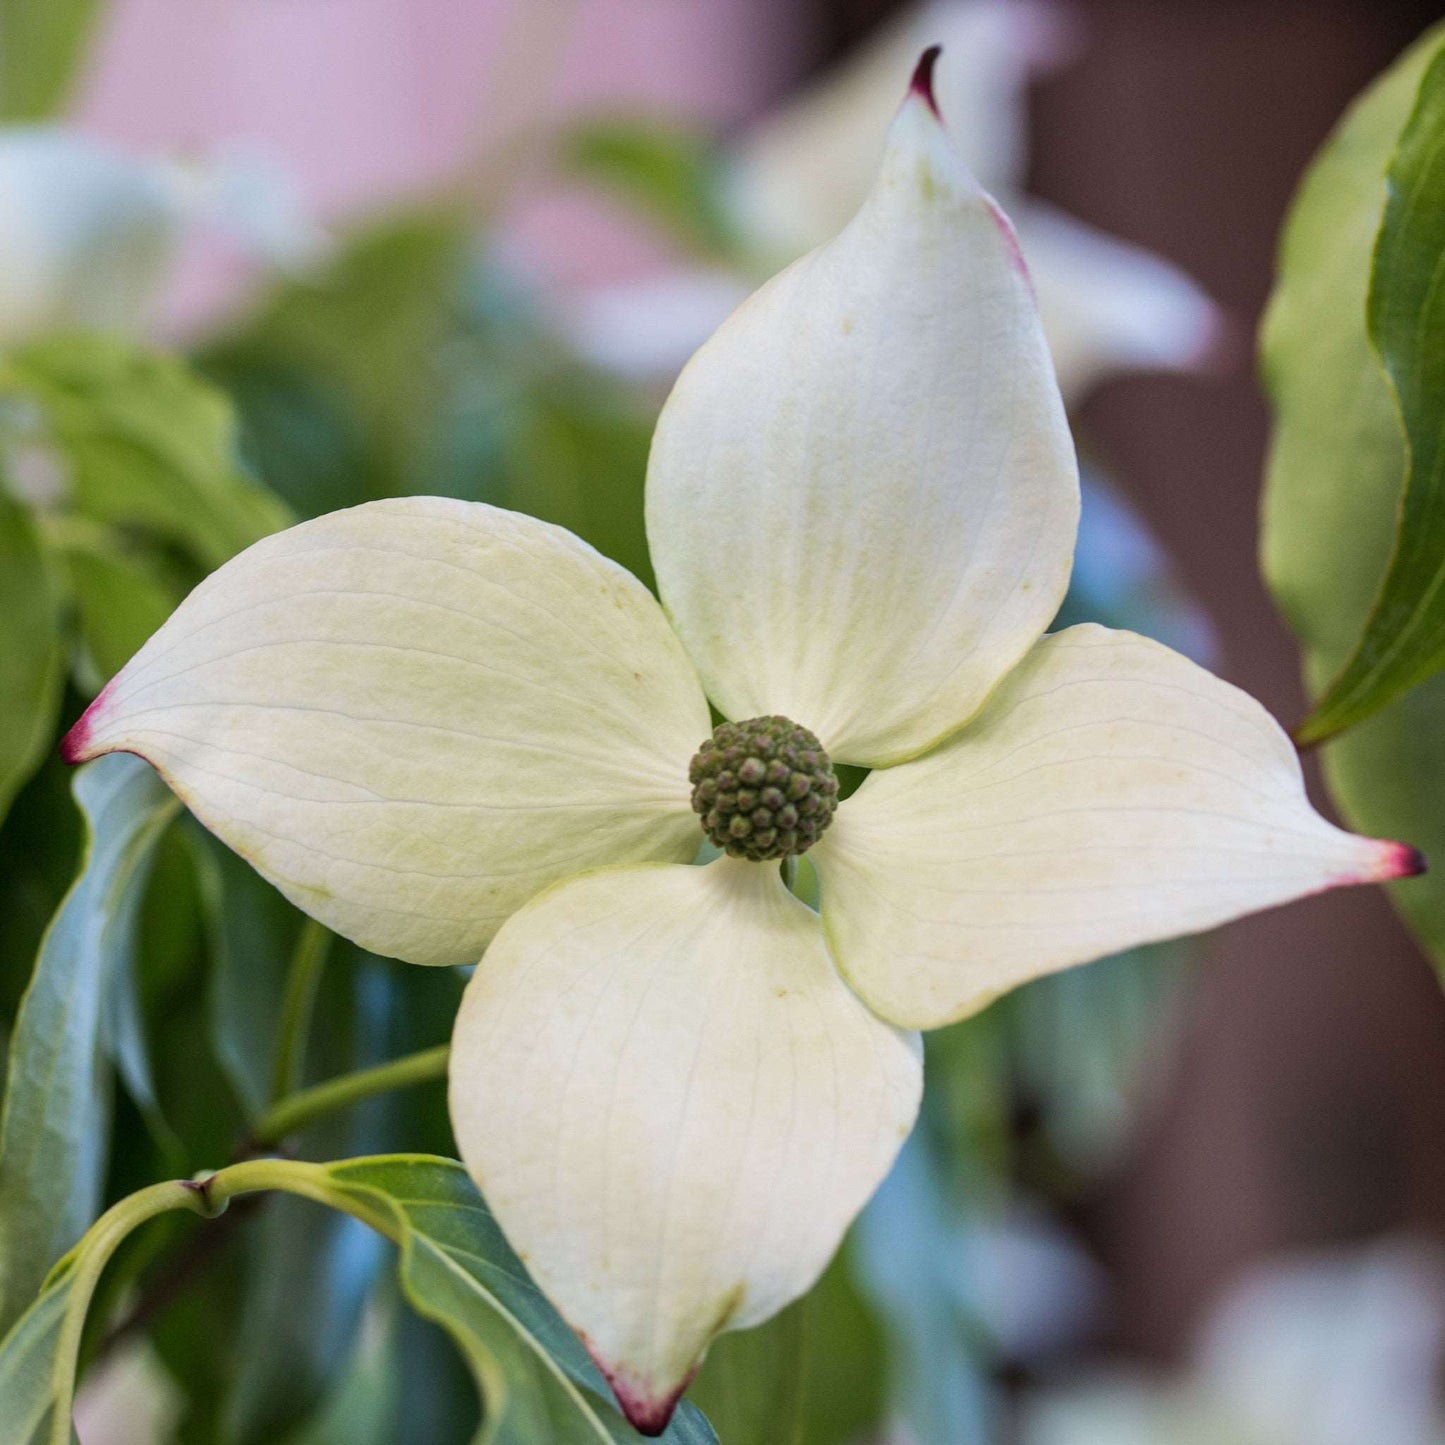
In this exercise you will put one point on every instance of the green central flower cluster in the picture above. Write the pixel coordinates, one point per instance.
(763, 788)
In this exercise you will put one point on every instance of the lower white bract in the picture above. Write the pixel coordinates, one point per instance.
(698, 1107)
(435, 725)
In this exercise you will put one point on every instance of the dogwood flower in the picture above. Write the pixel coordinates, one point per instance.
(455, 733)
(794, 179)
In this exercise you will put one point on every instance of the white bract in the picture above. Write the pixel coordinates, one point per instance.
(451, 732)
(794, 180)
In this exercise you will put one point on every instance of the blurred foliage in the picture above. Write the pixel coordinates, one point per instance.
(1332, 509)
(672, 173)
(43, 44)
(32, 664)
(412, 365)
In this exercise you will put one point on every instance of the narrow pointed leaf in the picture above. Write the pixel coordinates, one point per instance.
(56, 1114)
(1404, 640)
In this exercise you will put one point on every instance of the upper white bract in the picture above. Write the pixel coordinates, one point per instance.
(425, 719)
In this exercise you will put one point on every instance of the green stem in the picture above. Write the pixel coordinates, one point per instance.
(84, 1267)
(293, 1113)
(303, 978)
(79, 1272)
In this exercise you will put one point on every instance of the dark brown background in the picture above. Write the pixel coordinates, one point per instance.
(1307, 1103)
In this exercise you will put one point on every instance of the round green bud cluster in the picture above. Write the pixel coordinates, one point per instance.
(763, 788)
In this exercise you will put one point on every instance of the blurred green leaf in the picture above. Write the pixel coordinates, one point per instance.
(252, 931)
(670, 172)
(40, 843)
(340, 375)
(813, 1375)
(43, 44)
(307, 1277)
(1335, 474)
(753, 1385)
(1404, 639)
(577, 456)
(54, 1127)
(307, 1272)
(911, 1241)
(147, 444)
(119, 598)
(31, 1396)
(411, 366)
(32, 662)
(365, 1404)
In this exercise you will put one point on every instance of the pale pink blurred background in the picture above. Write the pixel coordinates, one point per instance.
(363, 101)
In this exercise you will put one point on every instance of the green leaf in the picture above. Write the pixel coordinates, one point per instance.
(813, 1375)
(1336, 466)
(1337, 453)
(147, 444)
(55, 1121)
(1387, 775)
(455, 1269)
(38, 1355)
(576, 455)
(671, 173)
(119, 596)
(365, 1404)
(42, 45)
(32, 660)
(252, 933)
(307, 1277)
(40, 844)
(1402, 320)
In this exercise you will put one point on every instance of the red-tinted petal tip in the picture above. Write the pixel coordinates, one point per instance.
(75, 745)
(922, 83)
(1406, 862)
(647, 1414)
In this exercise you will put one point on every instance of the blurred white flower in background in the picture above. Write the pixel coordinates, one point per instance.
(797, 177)
(90, 235)
(1333, 1349)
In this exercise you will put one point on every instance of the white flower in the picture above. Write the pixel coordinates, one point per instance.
(90, 235)
(796, 177)
(444, 729)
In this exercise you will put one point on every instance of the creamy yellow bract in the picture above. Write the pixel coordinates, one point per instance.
(451, 732)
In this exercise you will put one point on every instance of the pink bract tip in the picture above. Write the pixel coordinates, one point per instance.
(922, 83)
(75, 745)
(1400, 860)
(647, 1414)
